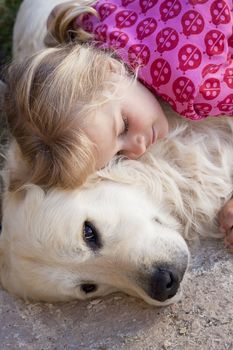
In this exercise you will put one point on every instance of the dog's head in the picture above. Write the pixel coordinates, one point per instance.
(63, 245)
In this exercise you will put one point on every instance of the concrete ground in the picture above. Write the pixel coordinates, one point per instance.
(202, 320)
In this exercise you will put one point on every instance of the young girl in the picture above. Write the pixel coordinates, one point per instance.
(182, 49)
(73, 108)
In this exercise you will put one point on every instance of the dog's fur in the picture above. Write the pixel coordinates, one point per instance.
(140, 209)
(140, 212)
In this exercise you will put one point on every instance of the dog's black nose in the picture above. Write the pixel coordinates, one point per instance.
(164, 283)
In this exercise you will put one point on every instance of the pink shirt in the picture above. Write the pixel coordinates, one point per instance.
(184, 49)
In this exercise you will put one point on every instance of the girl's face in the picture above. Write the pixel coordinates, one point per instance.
(129, 125)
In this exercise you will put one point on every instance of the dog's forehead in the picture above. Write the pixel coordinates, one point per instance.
(111, 194)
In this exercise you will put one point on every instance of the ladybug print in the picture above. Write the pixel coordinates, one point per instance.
(146, 27)
(226, 106)
(202, 109)
(160, 72)
(210, 89)
(126, 19)
(169, 9)
(190, 112)
(228, 77)
(220, 12)
(88, 26)
(210, 68)
(182, 50)
(101, 32)
(183, 89)
(192, 23)
(147, 5)
(189, 57)
(106, 10)
(169, 100)
(138, 55)
(167, 39)
(230, 40)
(214, 41)
(197, 2)
(125, 3)
(118, 39)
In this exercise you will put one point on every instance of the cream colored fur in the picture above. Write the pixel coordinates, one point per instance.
(142, 211)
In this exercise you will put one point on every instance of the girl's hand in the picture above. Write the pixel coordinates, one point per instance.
(226, 223)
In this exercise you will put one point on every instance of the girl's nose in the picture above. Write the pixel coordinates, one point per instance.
(136, 147)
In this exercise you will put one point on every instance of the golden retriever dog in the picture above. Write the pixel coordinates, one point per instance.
(125, 229)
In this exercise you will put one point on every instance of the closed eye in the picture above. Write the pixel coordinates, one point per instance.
(126, 126)
(91, 235)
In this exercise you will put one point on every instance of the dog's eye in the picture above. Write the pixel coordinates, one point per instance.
(88, 288)
(90, 235)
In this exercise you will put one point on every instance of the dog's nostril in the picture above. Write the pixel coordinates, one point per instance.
(169, 285)
(164, 284)
(88, 288)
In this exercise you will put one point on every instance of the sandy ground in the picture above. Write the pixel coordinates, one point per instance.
(202, 320)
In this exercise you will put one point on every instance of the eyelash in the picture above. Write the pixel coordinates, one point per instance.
(126, 126)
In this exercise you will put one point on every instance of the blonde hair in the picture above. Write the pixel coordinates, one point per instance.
(61, 19)
(47, 95)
